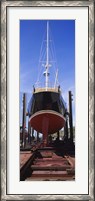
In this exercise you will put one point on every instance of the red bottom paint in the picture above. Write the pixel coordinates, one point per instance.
(47, 121)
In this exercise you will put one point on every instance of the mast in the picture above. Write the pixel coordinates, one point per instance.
(47, 58)
(47, 44)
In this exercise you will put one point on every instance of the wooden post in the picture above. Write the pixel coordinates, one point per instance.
(24, 121)
(32, 131)
(37, 136)
(70, 116)
(29, 132)
(58, 135)
(66, 130)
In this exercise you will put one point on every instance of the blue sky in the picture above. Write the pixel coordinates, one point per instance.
(32, 33)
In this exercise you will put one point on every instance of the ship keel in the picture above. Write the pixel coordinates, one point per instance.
(47, 122)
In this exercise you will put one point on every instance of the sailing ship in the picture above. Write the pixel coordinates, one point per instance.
(47, 109)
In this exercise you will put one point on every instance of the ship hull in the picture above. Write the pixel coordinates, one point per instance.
(47, 119)
(47, 112)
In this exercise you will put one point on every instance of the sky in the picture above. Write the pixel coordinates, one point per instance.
(62, 41)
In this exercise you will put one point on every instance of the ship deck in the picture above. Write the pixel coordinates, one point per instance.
(49, 89)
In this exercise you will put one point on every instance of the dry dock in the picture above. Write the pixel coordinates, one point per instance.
(46, 164)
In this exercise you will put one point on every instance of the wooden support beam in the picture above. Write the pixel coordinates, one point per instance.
(24, 121)
(70, 116)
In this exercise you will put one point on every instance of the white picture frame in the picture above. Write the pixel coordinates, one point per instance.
(4, 100)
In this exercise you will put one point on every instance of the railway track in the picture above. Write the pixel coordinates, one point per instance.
(46, 164)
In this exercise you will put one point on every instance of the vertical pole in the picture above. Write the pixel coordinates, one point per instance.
(47, 43)
(58, 135)
(37, 136)
(47, 59)
(70, 116)
(29, 132)
(24, 120)
(66, 130)
(32, 137)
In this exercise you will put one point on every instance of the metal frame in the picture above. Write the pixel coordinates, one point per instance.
(91, 6)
